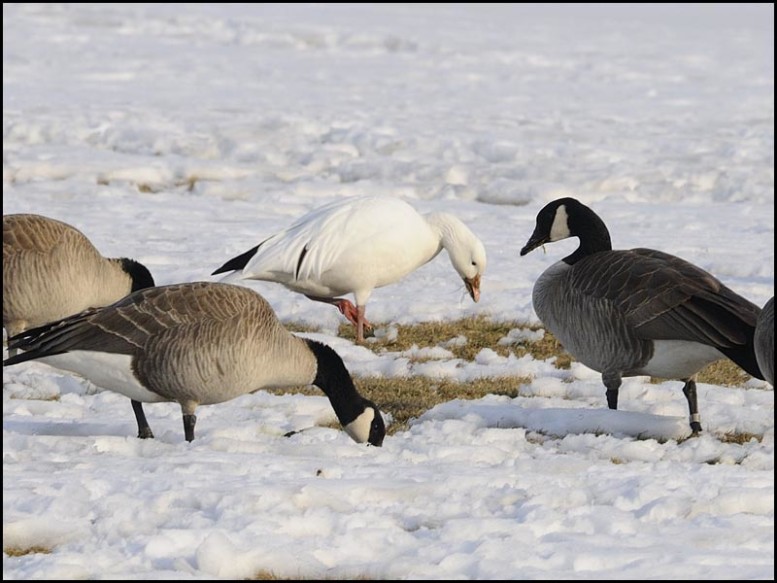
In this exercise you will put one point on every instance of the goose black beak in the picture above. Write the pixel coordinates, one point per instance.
(534, 241)
(473, 287)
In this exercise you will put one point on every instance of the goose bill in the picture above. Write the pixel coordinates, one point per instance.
(534, 242)
(473, 287)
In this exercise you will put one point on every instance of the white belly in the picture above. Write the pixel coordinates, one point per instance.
(108, 371)
(679, 358)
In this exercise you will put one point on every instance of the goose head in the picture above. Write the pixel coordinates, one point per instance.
(368, 426)
(360, 418)
(564, 218)
(466, 251)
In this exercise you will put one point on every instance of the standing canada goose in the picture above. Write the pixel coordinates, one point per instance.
(197, 344)
(51, 270)
(638, 311)
(764, 341)
(355, 245)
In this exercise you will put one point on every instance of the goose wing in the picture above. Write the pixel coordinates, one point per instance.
(665, 297)
(317, 243)
(302, 251)
(127, 325)
(31, 233)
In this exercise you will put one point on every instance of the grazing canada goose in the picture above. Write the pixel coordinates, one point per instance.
(638, 311)
(51, 270)
(197, 344)
(355, 245)
(764, 341)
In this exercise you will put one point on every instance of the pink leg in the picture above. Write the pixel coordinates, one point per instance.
(361, 324)
(355, 315)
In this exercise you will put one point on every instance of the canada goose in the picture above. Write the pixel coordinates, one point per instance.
(198, 344)
(51, 270)
(355, 245)
(638, 311)
(764, 341)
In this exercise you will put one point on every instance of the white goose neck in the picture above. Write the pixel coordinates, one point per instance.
(447, 227)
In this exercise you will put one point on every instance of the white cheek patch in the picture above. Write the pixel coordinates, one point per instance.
(359, 428)
(560, 228)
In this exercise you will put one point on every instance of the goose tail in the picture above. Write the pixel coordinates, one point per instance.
(237, 263)
(744, 356)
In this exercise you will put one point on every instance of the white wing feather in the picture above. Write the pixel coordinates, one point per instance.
(324, 235)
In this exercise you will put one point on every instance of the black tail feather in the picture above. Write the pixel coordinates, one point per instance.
(25, 356)
(744, 357)
(238, 262)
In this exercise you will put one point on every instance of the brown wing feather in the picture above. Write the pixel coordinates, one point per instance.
(127, 325)
(34, 233)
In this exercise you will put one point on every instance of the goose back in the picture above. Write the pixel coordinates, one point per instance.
(52, 270)
(222, 353)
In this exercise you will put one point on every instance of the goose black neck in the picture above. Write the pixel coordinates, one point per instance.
(590, 230)
(139, 274)
(334, 380)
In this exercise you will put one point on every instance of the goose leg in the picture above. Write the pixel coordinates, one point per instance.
(144, 429)
(612, 381)
(188, 426)
(689, 389)
(361, 321)
(354, 315)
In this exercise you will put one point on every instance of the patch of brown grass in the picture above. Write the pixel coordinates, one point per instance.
(20, 552)
(43, 398)
(479, 331)
(741, 438)
(296, 327)
(312, 391)
(724, 373)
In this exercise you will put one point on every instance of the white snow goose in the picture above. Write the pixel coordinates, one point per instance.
(52, 270)
(637, 311)
(354, 245)
(197, 344)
